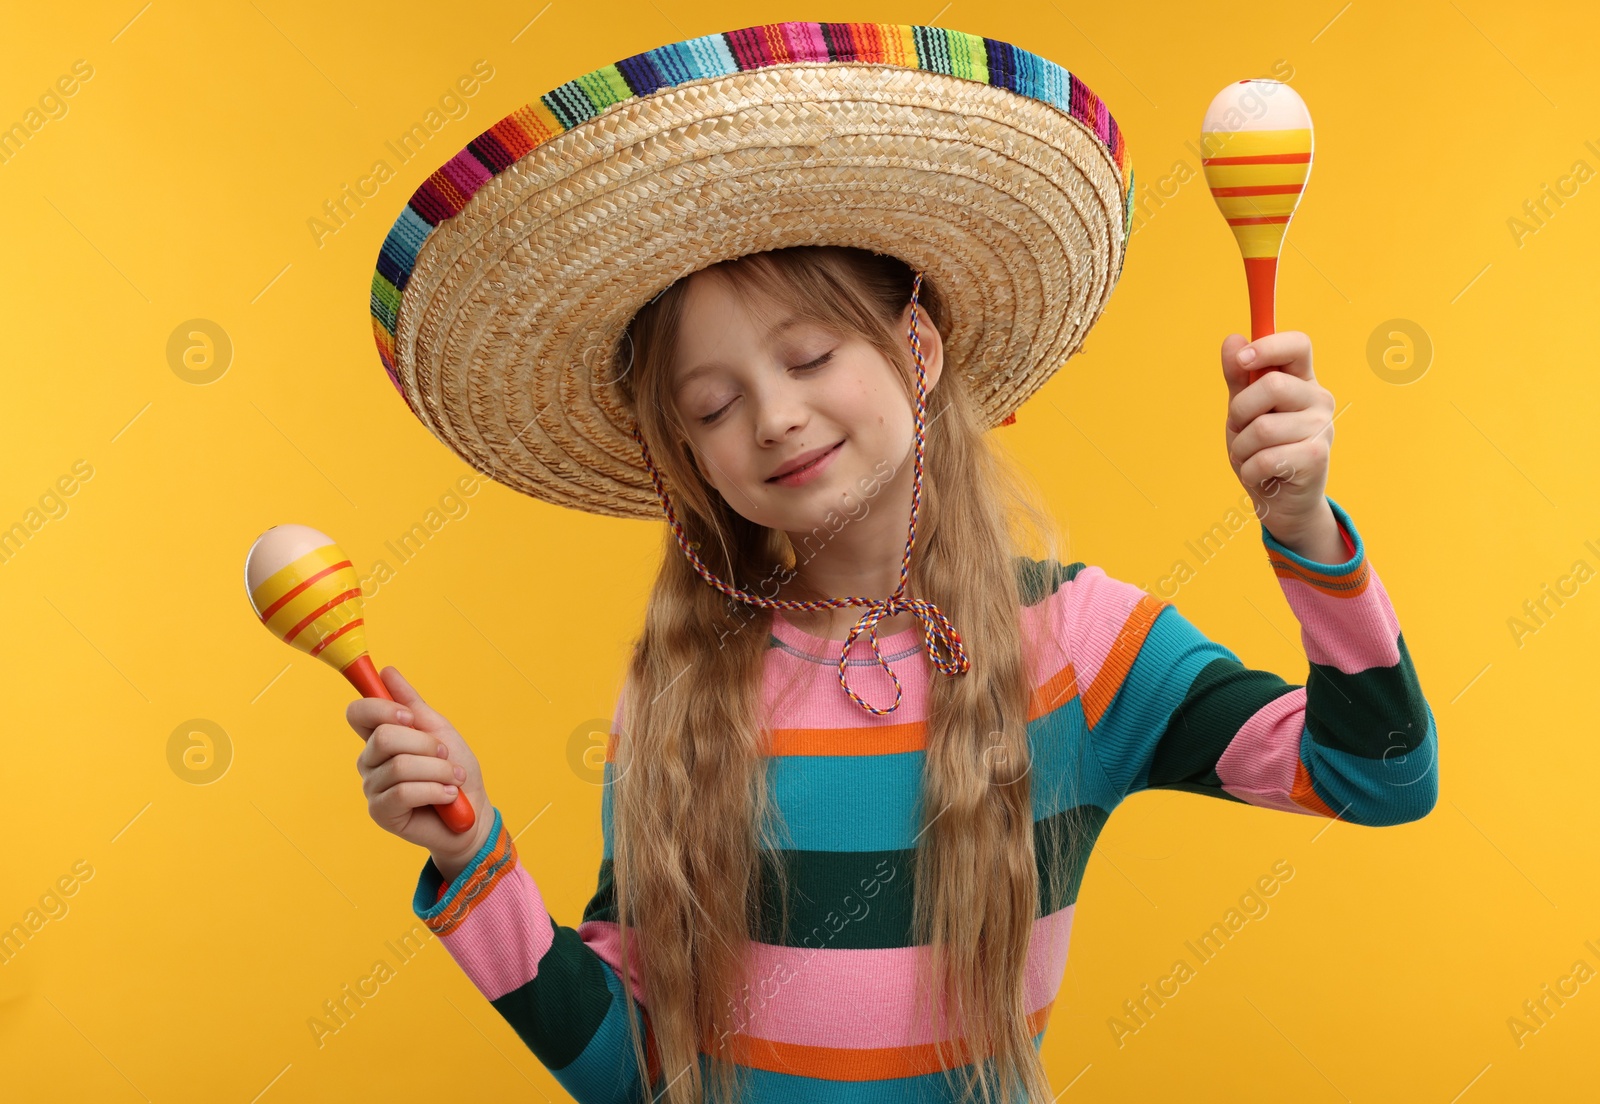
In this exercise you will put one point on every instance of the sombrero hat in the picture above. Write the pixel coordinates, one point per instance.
(505, 285)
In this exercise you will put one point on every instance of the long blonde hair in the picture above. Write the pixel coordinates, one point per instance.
(692, 815)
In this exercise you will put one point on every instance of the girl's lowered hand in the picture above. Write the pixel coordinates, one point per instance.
(1279, 432)
(414, 759)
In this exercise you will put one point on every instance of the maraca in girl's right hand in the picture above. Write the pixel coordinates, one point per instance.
(404, 775)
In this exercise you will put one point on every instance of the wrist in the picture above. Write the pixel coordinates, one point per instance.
(453, 861)
(1318, 539)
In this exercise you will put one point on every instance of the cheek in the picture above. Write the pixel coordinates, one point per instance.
(722, 464)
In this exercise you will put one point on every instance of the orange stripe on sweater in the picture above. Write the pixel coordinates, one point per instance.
(1056, 691)
(1335, 586)
(487, 876)
(1304, 795)
(1119, 660)
(856, 1063)
(888, 740)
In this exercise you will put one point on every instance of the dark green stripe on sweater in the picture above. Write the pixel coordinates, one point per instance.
(1377, 713)
(560, 1009)
(1224, 695)
(862, 900)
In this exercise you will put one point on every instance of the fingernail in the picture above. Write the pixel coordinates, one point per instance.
(403, 716)
(450, 791)
(443, 752)
(1246, 355)
(461, 773)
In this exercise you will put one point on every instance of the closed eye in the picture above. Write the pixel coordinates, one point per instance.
(811, 366)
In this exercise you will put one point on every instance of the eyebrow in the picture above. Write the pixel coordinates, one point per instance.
(701, 369)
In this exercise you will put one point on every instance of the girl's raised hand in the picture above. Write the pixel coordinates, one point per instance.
(1279, 431)
(412, 760)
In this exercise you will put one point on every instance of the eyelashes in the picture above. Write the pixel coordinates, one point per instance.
(818, 363)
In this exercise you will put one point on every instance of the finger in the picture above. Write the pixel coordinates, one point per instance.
(426, 717)
(1276, 428)
(1289, 351)
(405, 796)
(389, 740)
(1273, 467)
(1236, 377)
(366, 714)
(1274, 391)
(412, 768)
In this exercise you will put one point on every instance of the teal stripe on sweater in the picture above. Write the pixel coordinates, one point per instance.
(1378, 792)
(873, 802)
(1128, 738)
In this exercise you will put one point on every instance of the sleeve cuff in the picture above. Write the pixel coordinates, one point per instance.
(433, 898)
(1347, 531)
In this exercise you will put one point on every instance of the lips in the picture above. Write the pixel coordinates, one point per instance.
(802, 460)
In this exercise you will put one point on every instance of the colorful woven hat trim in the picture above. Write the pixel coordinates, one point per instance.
(934, 49)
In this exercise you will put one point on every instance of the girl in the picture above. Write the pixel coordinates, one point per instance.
(831, 877)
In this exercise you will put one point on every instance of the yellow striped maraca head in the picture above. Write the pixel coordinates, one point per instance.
(1257, 146)
(304, 588)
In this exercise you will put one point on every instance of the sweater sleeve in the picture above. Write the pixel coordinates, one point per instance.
(1168, 708)
(558, 987)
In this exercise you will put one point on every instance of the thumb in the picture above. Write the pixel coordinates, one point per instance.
(405, 694)
(1237, 378)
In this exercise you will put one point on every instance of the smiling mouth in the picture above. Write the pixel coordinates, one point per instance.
(807, 467)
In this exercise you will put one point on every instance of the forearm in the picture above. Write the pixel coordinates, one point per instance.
(1365, 737)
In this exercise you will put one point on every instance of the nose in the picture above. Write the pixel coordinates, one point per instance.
(779, 409)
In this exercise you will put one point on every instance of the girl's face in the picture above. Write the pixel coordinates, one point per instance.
(756, 394)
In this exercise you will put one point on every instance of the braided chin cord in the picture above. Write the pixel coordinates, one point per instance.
(940, 638)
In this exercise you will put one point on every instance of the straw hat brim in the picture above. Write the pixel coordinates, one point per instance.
(508, 321)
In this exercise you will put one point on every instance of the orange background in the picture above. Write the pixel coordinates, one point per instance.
(217, 902)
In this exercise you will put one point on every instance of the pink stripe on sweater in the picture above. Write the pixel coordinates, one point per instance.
(848, 998)
(501, 941)
(1041, 623)
(812, 697)
(1096, 608)
(810, 694)
(1259, 763)
(603, 939)
(1351, 634)
(828, 997)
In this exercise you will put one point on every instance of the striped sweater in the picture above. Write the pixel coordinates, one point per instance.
(1128, 696)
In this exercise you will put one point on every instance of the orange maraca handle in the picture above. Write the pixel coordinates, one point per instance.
(1261, 274)
(458, 815)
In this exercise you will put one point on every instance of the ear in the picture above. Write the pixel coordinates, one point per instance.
(930, 341)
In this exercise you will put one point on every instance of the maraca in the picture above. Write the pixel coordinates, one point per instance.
(304, 589)
(1257, 140)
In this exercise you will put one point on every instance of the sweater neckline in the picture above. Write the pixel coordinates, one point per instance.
(893, 646)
